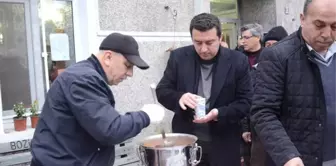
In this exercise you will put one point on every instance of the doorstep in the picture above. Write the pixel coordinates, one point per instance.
(16, 141)
(19, 159)
(14, 148)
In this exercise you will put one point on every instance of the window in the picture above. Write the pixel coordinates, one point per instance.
(23, 75)
(227, 11)
(229, 34)
(58, 17)
(16, 58)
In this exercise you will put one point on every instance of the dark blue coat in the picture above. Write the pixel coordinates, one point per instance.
(78, 125)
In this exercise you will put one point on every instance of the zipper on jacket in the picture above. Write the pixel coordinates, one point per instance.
(317, 74)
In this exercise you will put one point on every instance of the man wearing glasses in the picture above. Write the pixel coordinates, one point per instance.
(251, 36)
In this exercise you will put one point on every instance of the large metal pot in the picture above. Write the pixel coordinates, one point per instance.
(181, 151)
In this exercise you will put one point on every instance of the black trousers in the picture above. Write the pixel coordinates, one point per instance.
(205, 160)
(211, 156)
(246, 153)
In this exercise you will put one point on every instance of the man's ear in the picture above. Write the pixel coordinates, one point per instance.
(107, 56)
(302, 19)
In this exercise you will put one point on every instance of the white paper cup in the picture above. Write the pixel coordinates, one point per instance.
(200, 108)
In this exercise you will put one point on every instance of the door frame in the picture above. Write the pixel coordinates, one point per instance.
(34, 53)
(236, 31)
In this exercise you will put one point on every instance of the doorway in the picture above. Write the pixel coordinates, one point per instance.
(227, 12)
(230, 33)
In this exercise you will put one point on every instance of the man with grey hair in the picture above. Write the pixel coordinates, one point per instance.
(251, 36)
(293, 110)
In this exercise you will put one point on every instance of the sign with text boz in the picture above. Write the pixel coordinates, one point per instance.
(16, 145)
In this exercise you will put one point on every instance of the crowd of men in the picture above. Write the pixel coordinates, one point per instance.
(270, 100)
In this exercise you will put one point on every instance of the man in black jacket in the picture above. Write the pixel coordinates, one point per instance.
(258, 154)
(274, 35)
(293, 108)
(218, 74)
(79, 125)
(252, 35)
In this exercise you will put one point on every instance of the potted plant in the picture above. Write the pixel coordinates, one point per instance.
(20, 120)
(34, 117)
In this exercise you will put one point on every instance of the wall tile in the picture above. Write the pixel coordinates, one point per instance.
(144, 15)
(259, 11)
(291, 20)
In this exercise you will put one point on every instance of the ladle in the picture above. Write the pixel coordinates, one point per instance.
(166, 143)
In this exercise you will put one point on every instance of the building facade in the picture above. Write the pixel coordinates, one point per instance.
(38, 39)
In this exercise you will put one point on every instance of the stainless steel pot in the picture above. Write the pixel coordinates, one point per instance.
(182, 150)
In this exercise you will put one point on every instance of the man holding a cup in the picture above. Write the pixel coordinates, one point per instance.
(208, 87)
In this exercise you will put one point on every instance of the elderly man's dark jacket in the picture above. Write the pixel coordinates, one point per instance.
(288, 110)
(230, 94)
(78, 125)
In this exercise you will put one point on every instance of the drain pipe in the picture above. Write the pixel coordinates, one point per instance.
(1, 117)
(44, 46)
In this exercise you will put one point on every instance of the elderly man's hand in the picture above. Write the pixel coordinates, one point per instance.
(212, 115)
(155, 112)
(295, 162)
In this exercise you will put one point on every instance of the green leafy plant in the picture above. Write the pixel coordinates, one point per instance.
(19, 110)
(34, 108)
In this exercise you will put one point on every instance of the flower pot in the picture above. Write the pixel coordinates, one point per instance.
(34, 120)
(20, 124)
